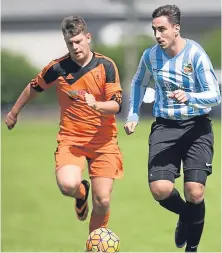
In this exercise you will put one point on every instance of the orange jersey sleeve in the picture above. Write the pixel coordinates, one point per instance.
(47, 77)
(112, 86)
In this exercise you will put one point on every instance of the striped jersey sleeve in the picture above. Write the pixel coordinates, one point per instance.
(210, 93)
(139, 84)
(190, 70)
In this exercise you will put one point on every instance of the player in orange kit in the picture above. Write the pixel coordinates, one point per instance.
(89, 94)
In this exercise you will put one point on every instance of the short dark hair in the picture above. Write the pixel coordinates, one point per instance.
(73, 25)
(172, 12)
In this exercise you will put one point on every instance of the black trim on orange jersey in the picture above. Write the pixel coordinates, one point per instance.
(118, 98)
(34, 84)
(51, 74)
(67, 68)
(109, 69)
(37, 88)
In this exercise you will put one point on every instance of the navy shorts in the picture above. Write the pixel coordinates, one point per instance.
(185, 143)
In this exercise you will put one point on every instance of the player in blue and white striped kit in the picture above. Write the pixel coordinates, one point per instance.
(185, 90)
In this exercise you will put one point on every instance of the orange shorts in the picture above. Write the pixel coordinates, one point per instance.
(99, 164)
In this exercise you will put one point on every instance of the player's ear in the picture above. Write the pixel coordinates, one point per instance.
(177, 29)
(88, 36)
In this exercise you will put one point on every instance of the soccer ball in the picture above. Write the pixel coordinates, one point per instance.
(102, 240)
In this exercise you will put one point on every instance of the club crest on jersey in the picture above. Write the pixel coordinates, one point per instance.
(187, 68)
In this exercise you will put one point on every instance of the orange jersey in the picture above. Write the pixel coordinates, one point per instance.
(81, 125)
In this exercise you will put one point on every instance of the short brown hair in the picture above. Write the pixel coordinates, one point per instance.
(172, 12)
(73, 25)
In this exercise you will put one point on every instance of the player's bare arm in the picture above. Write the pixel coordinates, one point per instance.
(28, 94)
(107, 107)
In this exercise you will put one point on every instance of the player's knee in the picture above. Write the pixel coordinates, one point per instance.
(69, 179)
(194, 192)
(161, 189)
(101, 204)
(69, 187)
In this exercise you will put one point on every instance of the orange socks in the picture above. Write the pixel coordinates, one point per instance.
(81, 193)
(98, 221)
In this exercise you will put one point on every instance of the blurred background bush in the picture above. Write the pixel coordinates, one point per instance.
(18, 70)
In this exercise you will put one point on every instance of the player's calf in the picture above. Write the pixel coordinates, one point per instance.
(181, 234)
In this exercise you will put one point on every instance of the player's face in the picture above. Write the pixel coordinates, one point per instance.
(164, 31)
(78, 46)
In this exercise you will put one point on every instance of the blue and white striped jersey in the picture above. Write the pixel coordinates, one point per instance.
(191, 70)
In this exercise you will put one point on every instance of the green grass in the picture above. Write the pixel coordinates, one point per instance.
(37, 217)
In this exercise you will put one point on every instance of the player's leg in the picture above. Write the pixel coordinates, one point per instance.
(163, 168)
(69, 166)
(69, 180)
(103, 169)
(101, 195)
(195, 208)
(197, 166)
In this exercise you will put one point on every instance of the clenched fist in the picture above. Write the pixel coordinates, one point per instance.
(10, 120)
(90, 100)
(130, 127)
(180, 95)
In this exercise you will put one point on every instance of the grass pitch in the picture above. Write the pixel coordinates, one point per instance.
(36, 217)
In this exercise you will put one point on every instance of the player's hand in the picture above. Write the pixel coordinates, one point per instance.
(130, 127)
(179, 95)
(90, 100)
(10, 120)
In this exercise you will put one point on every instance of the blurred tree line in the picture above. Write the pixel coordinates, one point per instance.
(17, 71)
